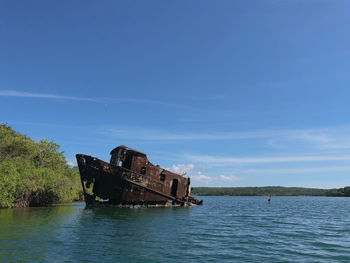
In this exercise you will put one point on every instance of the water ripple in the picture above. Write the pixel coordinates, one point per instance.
(224, 229)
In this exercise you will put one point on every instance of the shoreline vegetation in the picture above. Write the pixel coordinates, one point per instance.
(34, 173)
(37, 174)
(270, 190)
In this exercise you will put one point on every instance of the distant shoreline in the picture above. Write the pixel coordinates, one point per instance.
(269, 190)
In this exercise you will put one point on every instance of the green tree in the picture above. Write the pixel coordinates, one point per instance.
(34, 173)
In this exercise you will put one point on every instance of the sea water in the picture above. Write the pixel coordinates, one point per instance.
(224, 229)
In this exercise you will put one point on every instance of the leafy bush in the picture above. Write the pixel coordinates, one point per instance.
(34, 173)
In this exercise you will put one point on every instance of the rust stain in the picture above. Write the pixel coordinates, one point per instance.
(130, 179)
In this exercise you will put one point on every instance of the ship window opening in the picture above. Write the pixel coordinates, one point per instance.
(128, 160)
(120, 163)
(162, 176)
(174, 188)
(143, 170)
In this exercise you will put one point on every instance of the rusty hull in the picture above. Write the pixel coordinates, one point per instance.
(129, 179)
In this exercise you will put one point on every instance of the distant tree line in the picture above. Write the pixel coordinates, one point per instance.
(258, 191)
(34, 173)
(339, 192)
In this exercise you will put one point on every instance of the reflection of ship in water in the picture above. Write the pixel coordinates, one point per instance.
(130, 179)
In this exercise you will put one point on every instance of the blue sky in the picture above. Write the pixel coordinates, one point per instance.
(236, 93)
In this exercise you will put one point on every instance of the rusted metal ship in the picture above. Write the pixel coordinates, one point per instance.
(129, 179)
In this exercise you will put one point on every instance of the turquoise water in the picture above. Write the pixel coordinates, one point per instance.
(224, 229)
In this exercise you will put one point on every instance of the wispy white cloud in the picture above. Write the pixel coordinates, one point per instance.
(200, 178)
(335, 137)
(332, 138)
(181, 168)
(196, 176)
(229, 178)
(313, 136)
(23, 94)
(14, 93)
(276, 159)
(163, 135)
(321, 138)
(303, 170)
(145, 101)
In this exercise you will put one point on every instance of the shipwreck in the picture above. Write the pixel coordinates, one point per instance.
(129, 179)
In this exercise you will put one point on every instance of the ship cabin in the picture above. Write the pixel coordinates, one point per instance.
(172, 184)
